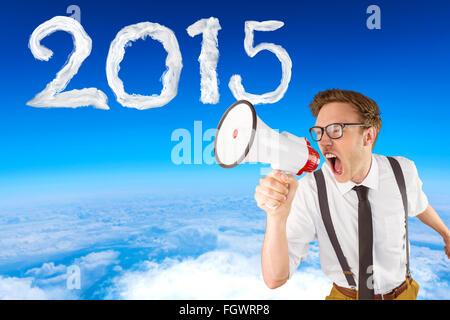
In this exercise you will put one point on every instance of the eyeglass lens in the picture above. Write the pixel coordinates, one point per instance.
(334, 131)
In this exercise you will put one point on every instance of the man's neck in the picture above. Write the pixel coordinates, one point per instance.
(364, 170)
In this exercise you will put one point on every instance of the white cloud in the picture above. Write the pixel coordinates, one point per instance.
(53, 95)
(430, 268)
(235, 83)
(14, 288)
(20, 289)
(208, 58)
(170, 77)
(50, 281)
(97, 260)
(223, 274)
(214, 275)
(47, 269)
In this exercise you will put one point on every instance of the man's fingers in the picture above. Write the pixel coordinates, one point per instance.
(274, 183)
(275, 190)
(271, 193)
(262, 199)
(267, 202)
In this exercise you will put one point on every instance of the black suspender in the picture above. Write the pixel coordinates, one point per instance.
(402, 186)
(325, 211)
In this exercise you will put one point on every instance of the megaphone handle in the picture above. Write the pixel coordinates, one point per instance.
(273, 208)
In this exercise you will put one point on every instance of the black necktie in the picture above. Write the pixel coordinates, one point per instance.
(365, 235)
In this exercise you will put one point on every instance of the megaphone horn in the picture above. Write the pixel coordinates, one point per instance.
(242, 136)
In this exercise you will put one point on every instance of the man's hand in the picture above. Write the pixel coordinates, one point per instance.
(275, 193)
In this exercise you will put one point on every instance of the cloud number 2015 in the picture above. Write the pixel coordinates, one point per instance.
(54, 96)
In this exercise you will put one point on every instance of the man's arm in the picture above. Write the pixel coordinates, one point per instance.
(275, 255)
(274, 195)
(432, 219)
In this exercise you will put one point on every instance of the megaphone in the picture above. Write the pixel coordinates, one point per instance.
(242, 136)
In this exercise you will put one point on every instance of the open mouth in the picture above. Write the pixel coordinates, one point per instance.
(335, 163)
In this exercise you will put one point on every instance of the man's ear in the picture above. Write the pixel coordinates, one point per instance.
(370, 136)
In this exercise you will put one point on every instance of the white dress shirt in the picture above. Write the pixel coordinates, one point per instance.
(305, 223)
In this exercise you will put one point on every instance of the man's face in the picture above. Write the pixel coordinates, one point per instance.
(349, 150)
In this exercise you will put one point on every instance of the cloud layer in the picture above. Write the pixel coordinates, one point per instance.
(148, 247)
(214, 275)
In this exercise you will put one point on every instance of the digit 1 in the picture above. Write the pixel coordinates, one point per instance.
(208, 58)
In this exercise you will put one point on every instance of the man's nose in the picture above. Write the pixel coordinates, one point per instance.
(326, 140)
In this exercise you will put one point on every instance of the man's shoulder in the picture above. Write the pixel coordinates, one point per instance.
(404, 162)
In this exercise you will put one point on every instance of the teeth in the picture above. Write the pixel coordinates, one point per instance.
(329, 155)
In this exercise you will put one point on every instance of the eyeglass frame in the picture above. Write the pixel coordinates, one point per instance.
(343, 125)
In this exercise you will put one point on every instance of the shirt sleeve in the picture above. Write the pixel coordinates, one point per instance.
(417, 200)
(300, 230)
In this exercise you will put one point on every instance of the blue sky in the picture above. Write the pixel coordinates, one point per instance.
(404, 67)
(52, 160)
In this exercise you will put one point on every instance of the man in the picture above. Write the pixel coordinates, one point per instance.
(362, 193)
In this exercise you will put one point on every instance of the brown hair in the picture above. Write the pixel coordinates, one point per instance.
(366, 107)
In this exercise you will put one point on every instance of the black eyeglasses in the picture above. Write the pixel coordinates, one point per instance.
(334, 130)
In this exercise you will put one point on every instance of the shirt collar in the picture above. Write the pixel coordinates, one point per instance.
(371, 181)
